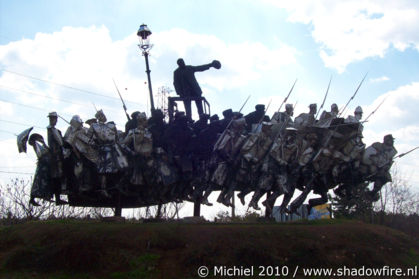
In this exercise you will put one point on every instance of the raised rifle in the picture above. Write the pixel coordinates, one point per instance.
(324, 99)
(63, 119)
(122, 100)
(94, 106)
(366, 119)
(286, 98)
(399, 156)
(284, 123)
(353, 96)
(403, 154)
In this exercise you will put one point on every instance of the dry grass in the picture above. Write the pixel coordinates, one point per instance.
(64, 249)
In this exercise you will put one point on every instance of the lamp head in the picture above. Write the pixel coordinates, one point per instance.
(143, 34)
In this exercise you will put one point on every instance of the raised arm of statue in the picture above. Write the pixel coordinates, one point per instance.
(201, 68)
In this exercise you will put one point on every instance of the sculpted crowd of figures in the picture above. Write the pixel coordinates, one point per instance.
(154, 162)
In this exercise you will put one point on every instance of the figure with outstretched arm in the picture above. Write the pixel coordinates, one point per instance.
(186, 85)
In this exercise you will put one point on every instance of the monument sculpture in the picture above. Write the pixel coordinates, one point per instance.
(154, 162)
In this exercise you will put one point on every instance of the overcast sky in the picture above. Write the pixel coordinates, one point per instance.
(62, 55)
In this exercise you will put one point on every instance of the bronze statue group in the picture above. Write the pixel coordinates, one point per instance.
(154, 162)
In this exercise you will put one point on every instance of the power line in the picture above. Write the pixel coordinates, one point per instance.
(36, 108)
(28, 106)
(49, 97)
(41, 95)
(8, 132)
(23, 105)
(21, 124)
(65, 86)
(15, 167)
(16, 172)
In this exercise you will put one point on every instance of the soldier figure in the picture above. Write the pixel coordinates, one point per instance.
(41, 186)
(55, 143)
(132, 123)
(306, 119)
(201, 124)
(228, 115)
(226, 152)
(281, 117)
(214, 118)
(256, 117)
(356, 118)
(354, 147)
(334, 111)
(86, 158)
(139, 141)
(305, 171)
(379, 157)
(282, 120)
(186, 85)
(324, 177)
(157, 126)
(276, 167)
(76, 136)
(326, 117)
(178, 137)
(111, 159)
(253, 153)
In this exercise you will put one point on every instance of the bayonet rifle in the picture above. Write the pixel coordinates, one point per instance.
(353, 96)
(122, 100)
(324, 99)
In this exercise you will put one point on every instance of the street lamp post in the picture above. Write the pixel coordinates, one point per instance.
(145, 46)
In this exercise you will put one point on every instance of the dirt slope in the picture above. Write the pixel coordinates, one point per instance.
(81, 249)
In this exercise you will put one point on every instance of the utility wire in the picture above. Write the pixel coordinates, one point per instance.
(21, 124)
(23, 105)
(49, 97)
(16, 172)
(15, 167)
(8, 132)
(32, 107)
(28, 106)
(65, 86)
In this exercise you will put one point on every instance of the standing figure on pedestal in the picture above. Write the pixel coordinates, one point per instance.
(186, 85)
(55, 143)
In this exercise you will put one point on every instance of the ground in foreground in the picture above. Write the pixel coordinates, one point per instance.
(88, 249)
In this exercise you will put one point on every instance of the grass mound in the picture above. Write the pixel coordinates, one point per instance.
(81, 249)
